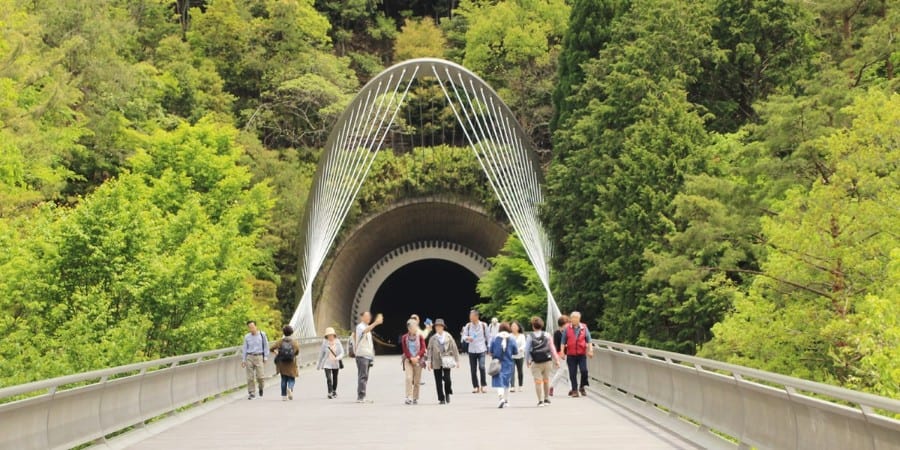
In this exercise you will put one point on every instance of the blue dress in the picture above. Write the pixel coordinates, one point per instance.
(504, 378)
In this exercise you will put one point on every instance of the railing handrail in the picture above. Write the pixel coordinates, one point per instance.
(834, 392)
(73, 410)
(50, 383)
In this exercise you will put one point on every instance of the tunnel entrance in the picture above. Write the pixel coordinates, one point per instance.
(431, 288)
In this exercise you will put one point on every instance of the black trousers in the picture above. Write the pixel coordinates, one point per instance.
(443, 384)
(520, 363)
(331, 378)
(476, 365)
(577, 364)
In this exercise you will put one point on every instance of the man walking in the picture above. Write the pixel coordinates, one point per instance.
(475, 334)
(254, 354)
(562, 371)
(364, 349)
(576, 345)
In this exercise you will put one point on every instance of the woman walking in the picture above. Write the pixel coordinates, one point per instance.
(413, 345)
(331, 357)
(518, 358)
(287, 353)
(443, 355)
(503, 347)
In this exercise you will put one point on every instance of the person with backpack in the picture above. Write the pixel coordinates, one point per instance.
(413, 345)
(540, 355)
(562, 371)
(475, 335)
(442, 356)
(254, 354)
(576, 345)
(331, 357)
(503, 347)
(287, 355)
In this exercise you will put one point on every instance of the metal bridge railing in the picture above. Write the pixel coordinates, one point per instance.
(724, 405)
(78, 409)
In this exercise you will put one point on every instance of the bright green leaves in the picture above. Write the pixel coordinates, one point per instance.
(830, 262)
(159, 261)
(419, 39)
(512, 286)
(514, 46)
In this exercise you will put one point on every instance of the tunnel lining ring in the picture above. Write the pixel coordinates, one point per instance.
(409, 253)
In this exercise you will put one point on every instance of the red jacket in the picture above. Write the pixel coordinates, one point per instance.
(405, 347)
(576, 347)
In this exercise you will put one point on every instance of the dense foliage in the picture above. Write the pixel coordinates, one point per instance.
(512, 286)
(725, 178)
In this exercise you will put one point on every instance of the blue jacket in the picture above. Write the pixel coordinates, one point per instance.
(504, 378)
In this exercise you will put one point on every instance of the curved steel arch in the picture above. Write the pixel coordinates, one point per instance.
(501, 146)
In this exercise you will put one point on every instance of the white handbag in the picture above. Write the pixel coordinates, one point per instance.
(447, 361)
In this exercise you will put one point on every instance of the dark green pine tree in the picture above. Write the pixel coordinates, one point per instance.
(589, 31)
(629, 148)
(766, 45)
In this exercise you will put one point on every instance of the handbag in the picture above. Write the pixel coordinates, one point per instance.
(494, 367)
(448, 362)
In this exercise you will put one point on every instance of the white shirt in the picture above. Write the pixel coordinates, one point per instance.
(520, 344)
(364, 348)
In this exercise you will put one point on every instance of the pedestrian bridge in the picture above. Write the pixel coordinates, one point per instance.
(639, 398)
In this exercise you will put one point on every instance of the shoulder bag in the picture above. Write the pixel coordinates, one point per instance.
(494, 368)
(340, 361)
(447, 360)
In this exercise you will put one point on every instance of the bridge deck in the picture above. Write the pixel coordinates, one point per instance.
(472, 421)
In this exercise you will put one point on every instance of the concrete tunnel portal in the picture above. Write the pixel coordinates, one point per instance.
(422, 256)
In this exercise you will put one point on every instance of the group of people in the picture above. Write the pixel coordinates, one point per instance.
(433, 349)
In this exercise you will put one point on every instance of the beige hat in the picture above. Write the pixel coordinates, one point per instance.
(329, 331)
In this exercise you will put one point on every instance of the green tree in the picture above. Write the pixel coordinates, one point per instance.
(512, 285)
(767, 45)
(419, 39)
(830, 251)
(156, 262)
(621, 160)
(189, 84)
(514, 46)
(589, 30)
(39, 124)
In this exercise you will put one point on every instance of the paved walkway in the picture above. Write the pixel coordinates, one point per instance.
(471, 422)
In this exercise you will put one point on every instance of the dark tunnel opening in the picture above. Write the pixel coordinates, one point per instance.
(431, 288)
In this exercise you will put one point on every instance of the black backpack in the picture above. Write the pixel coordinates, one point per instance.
(285, 351)
(540, 348)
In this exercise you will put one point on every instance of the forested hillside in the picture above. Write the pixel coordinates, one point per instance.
(725, 180)
(722, 175)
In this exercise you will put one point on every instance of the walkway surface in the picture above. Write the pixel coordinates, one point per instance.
(470, 422)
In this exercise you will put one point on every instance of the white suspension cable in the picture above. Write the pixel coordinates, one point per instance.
(500, 146)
